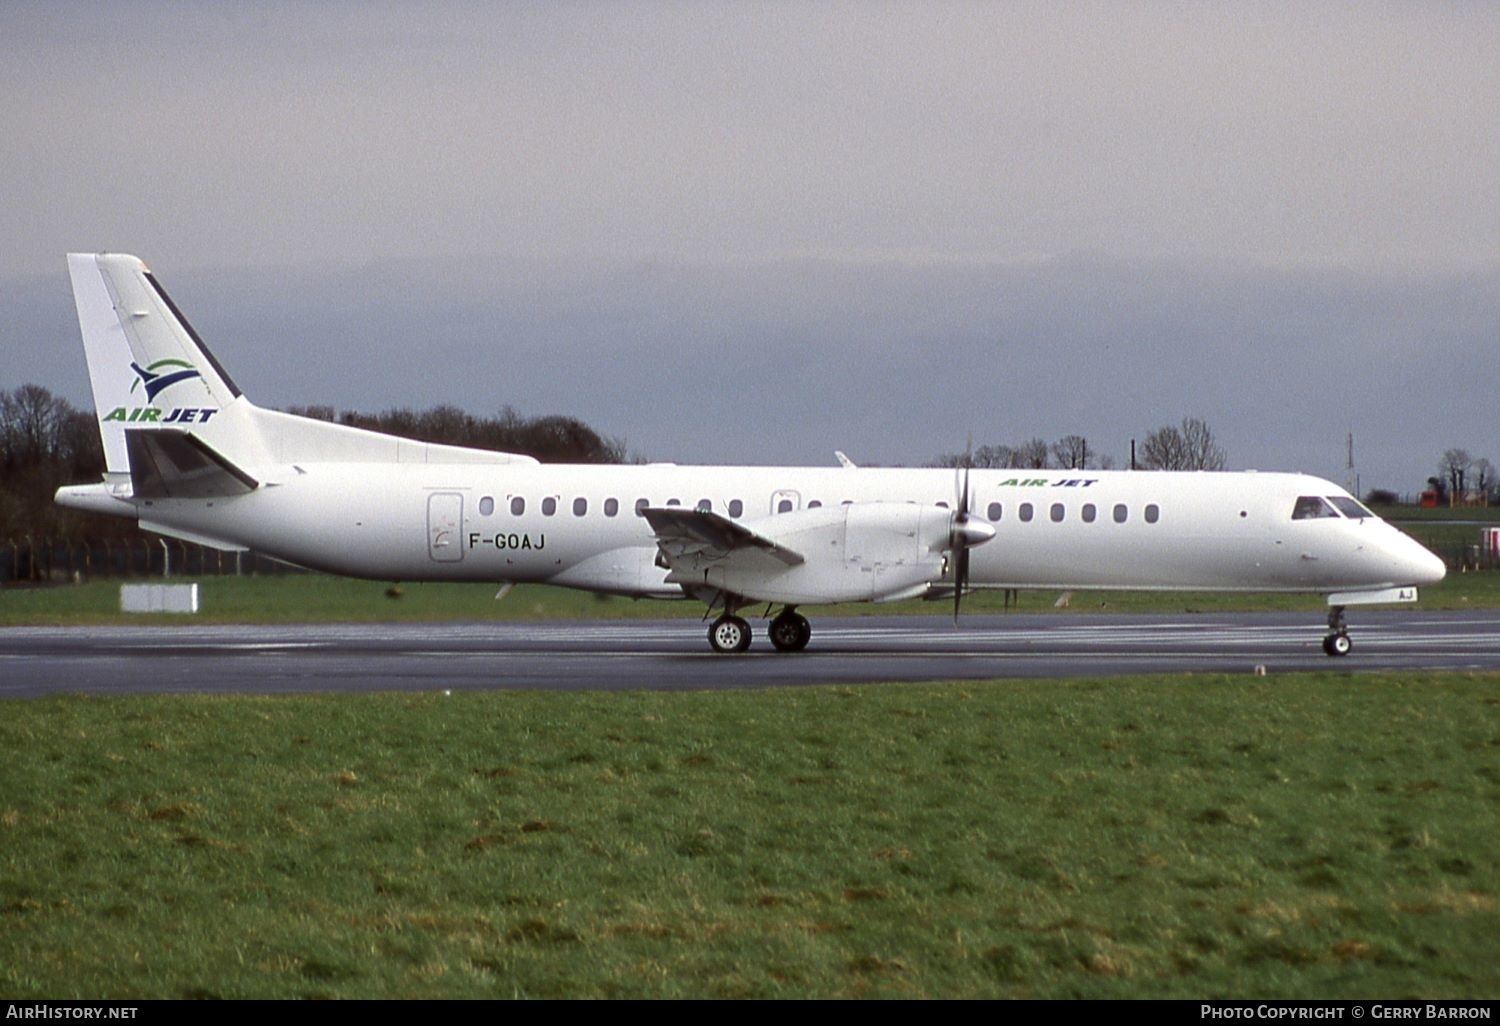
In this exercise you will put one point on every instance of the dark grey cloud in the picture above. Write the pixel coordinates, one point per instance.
(759, 231)
(1289, 133)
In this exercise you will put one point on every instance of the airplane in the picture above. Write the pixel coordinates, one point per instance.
(189, 456)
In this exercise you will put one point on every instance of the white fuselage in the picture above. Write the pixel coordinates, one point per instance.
(1085, 529)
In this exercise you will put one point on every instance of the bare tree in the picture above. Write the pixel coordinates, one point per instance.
(1202, 451)
(1164, 449)
(1455, 466)
(1189, 447)
(1484, 478)
(1032, 454)
(995, 456)
(1071, 452)
(986, 456)
(30, 421)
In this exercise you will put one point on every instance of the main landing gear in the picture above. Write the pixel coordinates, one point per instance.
(789, 632)
(1337, 642)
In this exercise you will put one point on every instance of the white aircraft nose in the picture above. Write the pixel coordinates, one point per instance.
(1426, 568)
(1414, 563)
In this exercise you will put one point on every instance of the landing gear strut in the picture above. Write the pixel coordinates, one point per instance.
(790, 631)
(1337, 642)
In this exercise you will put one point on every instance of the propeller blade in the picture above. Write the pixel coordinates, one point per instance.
(960, 578)
(960, 541)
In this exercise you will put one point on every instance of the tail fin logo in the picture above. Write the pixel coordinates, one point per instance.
(161, 375)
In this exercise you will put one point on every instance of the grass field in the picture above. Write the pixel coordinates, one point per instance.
(1318, 835)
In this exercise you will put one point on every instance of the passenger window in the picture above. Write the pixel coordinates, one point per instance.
(1153, 513)
(1311, 507)
(1025, 512)
(1088, 512)
(1058, 512)
(994, 511)
(674, 502)
(944, 505)
(486, 506)
(1121, 513)
(736, 507)
(640, 506)
(815, 504)
(784, 506)
(705, 506)
(517, 505)
(549, 506)
(611, 507)
(580, 507)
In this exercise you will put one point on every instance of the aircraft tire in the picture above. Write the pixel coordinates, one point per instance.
(729, 634)
(790, 632)
(1337, 644)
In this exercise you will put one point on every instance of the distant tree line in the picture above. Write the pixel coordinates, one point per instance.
(1188, 446)
(1070, 452)
(551, 439)
(46, 442)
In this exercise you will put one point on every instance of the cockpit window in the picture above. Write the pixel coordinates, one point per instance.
(1351, 508)
(1311, 507)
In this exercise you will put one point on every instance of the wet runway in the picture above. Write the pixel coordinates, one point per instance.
(674, 654)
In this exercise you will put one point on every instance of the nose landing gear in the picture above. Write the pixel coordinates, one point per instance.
(1337, 642)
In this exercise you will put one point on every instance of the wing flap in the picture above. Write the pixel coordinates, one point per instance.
(703, 533)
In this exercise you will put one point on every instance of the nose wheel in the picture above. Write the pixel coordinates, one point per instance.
(1337, 642)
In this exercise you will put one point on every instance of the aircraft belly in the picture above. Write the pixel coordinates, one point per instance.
(627, 570)
(812, 584)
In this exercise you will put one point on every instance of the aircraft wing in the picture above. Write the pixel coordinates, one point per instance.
(693, 532)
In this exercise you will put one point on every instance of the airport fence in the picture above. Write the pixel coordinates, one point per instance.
(1465, 557)
(45, 560)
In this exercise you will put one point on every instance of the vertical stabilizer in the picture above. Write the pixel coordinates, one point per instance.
(147, 366)
(153, 375)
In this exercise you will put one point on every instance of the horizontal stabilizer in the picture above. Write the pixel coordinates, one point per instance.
(177, 465)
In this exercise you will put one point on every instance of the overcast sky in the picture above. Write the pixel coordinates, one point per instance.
(759, 232)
